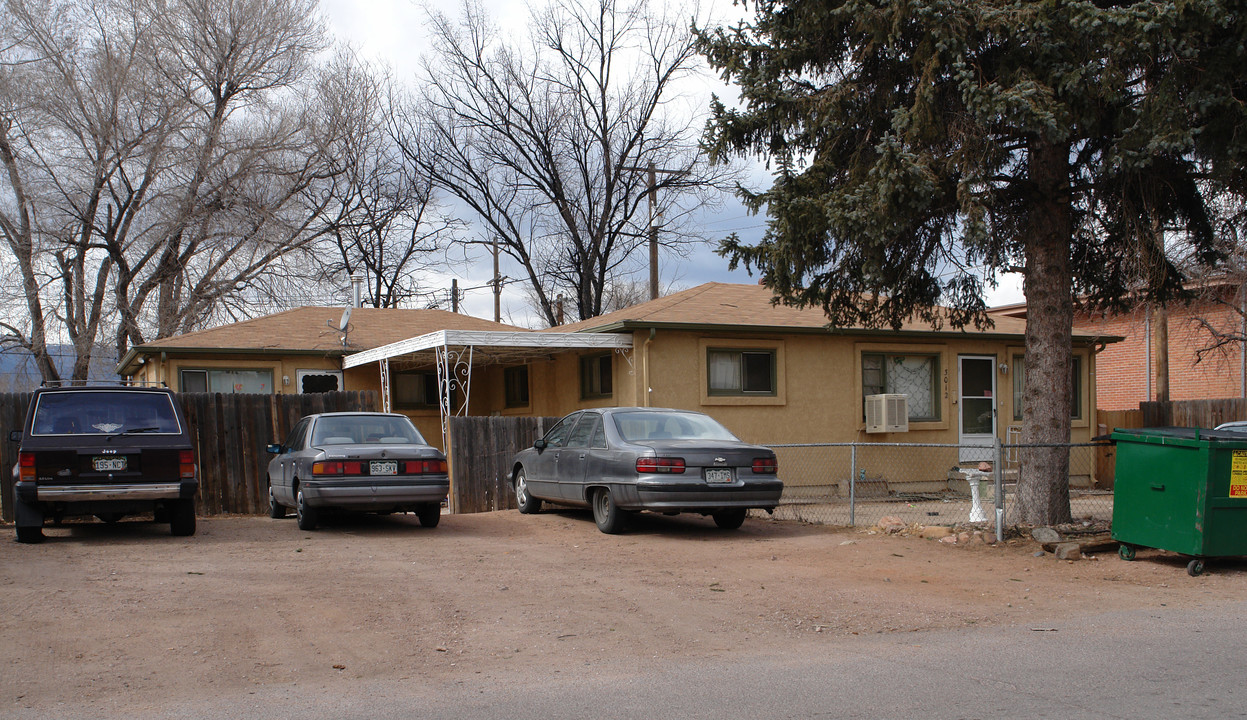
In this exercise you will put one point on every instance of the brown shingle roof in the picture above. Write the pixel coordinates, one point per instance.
(741, 306)
(316, 329)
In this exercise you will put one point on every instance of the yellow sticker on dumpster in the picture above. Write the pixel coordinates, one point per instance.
(1238, 474)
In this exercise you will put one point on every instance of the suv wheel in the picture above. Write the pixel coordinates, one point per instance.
(29, 534)
(182, 518)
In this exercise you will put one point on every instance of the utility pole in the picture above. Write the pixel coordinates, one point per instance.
(497, 286)
(653, 226)
(653, 234)
(454, 295)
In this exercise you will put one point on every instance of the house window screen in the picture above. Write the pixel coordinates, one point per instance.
(911, 375)
(741, 372)
(1019, 383)
(227, 381)
(415, 389)
(515, 380)
(595, 376)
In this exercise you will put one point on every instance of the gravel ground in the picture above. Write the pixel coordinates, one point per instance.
(124, 617)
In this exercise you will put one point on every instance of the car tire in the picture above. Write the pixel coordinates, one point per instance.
(523, 498)
(306, 515)
(430, 514)
(110, 518)
(607, 515)
(182, 518)
(275, 509)
(29, 534)
(730, 519)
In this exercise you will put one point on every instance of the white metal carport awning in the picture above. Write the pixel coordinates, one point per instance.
(453, 352)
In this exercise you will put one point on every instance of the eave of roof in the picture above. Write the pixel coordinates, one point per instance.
(642, 325)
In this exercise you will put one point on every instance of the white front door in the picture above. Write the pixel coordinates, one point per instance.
(976, 398)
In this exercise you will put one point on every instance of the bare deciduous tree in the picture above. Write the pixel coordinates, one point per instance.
(549, 143)
(159, 155)
(385, 221)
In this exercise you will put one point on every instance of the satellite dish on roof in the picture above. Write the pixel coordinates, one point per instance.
(346, 318)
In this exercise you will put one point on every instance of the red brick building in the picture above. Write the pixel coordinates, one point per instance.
(1126, 370)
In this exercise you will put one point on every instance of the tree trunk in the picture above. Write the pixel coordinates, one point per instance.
(1160, 329)
(1043, 486)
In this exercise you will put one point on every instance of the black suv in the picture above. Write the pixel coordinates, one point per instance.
(107, 451)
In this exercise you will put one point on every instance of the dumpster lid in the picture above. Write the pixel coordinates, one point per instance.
(1191, 437)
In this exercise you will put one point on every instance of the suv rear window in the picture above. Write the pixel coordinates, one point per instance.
(90, 412)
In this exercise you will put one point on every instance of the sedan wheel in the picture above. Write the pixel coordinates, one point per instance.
(429, 514)
(526, 502)
(730, 519)
(306, 515)
(275, 509)
(606, 513)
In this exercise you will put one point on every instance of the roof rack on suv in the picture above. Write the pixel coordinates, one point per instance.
(104, 383)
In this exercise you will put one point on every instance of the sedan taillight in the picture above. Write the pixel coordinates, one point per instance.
(186, 464)
(765, 466)
(26, 461)
(660, 465)
(338, 467)
(425, 467)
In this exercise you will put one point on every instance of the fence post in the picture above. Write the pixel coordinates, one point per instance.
(999, 482)
(852, 484)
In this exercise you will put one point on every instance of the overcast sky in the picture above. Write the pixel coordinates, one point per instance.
(392, 32)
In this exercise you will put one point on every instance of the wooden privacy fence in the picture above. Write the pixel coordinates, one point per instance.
(12, 415)
(230, 433)
(481, 449)
(1193, 413)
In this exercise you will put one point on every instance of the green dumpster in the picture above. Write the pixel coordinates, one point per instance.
(1183, 490)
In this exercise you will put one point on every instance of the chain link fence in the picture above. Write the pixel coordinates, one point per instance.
(929, 484)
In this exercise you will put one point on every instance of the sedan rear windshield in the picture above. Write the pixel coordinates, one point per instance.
(90, 412)
(362, 429)
(637, 426)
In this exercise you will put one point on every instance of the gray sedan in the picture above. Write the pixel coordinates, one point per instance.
(618, 460)
(364, 462)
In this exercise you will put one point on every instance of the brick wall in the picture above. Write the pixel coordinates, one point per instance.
(1122, 368)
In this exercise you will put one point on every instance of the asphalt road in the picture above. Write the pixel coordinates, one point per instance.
(1158, 663)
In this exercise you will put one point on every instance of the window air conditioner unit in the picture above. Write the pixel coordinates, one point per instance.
(887, 413)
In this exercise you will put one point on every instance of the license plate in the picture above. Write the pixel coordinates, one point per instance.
(109, 464)
(383, 467)
(718, 475)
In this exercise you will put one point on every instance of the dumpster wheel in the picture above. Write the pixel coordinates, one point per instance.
(1126, 552)
(1195, 567)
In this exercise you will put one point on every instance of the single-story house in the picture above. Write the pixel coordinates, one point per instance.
(771, 373)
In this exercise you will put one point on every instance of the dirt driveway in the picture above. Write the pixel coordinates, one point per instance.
(126, 618)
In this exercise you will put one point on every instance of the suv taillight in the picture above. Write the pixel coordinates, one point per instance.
(425, 467)
(26, 463)
(186, 464)
(660, 465)
(765, 466)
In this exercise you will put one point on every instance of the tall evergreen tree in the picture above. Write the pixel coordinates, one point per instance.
(922, 145)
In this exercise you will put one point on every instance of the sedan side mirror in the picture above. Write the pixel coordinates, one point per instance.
(540, 444)
(274, 449)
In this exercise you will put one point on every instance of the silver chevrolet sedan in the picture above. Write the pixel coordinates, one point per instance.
(363, 462)
(619, 460)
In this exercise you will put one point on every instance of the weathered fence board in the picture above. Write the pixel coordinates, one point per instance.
(481, 448)
(1193, 413)
(1106, 455)
(12, 415)
(229, 432)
